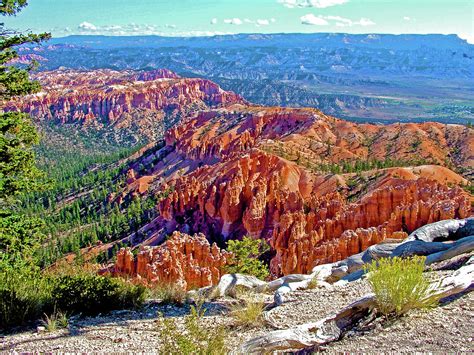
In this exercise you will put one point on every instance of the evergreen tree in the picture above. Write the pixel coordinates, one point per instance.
(18, 171)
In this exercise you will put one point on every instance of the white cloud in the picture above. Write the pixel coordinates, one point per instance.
(338, 21)
(365, 22)
(407, 18)
(469, 37)
(238, 21)
(87, 26)
(311, 19)
(320, 4)
(233, 21)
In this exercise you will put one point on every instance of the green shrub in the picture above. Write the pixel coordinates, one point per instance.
(246, 253)
(194, 338)
(313, 283)
(24, 296)
(399, 285)
(248, 313)
(92, 294)
(168, 293)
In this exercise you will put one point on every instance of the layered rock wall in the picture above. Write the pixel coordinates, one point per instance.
(184, 260)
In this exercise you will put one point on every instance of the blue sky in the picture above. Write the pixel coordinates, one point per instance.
(208, 17)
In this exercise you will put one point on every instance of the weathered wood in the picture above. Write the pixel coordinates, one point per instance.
(450, 229)
(461, 281)
(461, 246)
(418, 247)
(452, 263)
(424, 241)
(331, 329)
(317, 333)
(229, 282)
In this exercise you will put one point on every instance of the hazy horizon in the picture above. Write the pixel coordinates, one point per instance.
(190, 18)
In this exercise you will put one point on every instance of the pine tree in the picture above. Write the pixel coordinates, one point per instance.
(18, 172)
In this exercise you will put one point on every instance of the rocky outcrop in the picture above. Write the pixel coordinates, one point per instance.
(71, 96)
(303, 241)
(265, 197)
(183, 260)
(317, 188)
(310, 137)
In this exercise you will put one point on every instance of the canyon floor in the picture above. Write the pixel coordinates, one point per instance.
(446, 328)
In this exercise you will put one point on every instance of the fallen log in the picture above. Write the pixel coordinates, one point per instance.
(461, 246)
(424, 241)
(451, 229)
(332, 328)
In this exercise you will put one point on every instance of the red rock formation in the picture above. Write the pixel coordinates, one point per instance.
(188, 261)
(312, 137)
(303, 241)
(240, 169)
(253, 170)
(71, 96)
(266, 197)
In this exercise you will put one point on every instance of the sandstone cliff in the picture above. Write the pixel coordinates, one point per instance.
(260, 174)
(183, 260)
(317, 188)
(120, 99)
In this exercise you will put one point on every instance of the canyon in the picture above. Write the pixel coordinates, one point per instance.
(359, 77)
(145, 101)
(316, 188)
(263, 172)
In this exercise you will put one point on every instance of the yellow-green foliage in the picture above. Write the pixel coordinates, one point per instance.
(246, 253)
(400, 285)
(57, 320)
(313, 284)
(194, 337)
(248, 312)
(168, 293)
(24, 296)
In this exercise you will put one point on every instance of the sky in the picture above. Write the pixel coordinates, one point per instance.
(212, 17)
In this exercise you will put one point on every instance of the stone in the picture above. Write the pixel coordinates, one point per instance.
(188, 261)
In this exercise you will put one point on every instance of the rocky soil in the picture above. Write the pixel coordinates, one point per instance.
(447, 328)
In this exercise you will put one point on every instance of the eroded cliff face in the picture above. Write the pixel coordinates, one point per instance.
(183, 260)
(120, 98)
(260, 176)
(265, 197)
(230, 169)
(308, 137)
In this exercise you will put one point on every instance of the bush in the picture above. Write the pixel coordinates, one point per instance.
(399, 285)
(92, 294)
(168, 293)
(24, 296)
(57, 320)
(195, 338)
(245, 257)
(249, 312)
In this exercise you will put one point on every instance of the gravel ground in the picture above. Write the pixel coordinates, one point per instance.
(447, 328)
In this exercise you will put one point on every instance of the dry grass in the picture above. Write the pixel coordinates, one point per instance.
(248, 312)
(400, 285)
(193, 337)
(313, 284)
(168, 293)
(57, 320)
